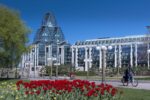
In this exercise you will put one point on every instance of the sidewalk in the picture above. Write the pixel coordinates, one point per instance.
(107, 78)
(116, 81)
(142, 84)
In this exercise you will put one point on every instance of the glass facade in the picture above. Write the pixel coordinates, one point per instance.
(49, 34)
(127, 50)
(67, 54)
(142, 54)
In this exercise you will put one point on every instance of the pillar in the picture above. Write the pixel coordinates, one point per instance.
(72, 59)
(35, 57)
(62, 55)
(115, 56)
(131, 55)
(120, 56)
(100, 58)
(37, 53)
(45, 60)
(76, 59)
(136, 55)
(90, 57)
(85, 60)
(35, 61)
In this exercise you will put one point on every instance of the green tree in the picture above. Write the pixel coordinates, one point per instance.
(13, 37)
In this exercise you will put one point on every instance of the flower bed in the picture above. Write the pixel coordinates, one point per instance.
(66, 90)
(57, 90)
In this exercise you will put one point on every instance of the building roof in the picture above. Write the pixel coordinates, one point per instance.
(116, 40)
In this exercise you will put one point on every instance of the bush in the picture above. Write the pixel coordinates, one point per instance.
(84, 73)
(138, 70)
(62, 70)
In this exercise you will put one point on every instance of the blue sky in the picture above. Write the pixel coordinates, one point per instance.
(87, 19)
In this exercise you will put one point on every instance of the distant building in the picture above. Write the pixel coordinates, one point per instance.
(49, 46)
(129, 50)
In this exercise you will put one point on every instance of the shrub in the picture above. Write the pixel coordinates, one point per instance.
(84, 73)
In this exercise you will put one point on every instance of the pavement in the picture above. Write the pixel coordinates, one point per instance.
(142, 84)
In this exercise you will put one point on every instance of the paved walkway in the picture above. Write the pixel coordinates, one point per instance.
(141, 85)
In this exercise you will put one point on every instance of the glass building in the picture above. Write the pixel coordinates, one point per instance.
(48, 37)
(49, 46)
(129, 50)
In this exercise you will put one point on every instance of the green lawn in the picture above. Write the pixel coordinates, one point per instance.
(145, 78)
(128, 94)
(8, 80)
(111, 78)
(135, 94)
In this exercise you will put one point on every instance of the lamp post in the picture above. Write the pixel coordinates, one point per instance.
(116, 53)
(88, 61)
(57, 64)
(103, 49)
(49, 61)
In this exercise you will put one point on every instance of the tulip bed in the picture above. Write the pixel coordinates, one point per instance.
(61, 90)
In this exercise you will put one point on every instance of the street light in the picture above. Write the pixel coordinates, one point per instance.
(119, 64)
(49, 61)
(57, 64)
(88, 63)
(103, 49)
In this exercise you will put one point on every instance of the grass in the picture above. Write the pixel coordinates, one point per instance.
(111, 78)
(146, 78)
(8, 80)
(135, 94)
(128, 94)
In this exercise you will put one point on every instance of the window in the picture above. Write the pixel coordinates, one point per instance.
(32, 68)
(46, 49)
(44, 34)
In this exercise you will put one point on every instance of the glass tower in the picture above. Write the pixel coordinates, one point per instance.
(48, 34)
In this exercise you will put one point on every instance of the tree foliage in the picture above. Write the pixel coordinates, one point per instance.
(13, 37)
